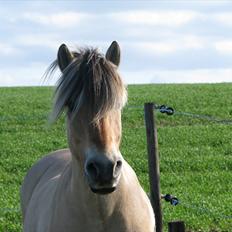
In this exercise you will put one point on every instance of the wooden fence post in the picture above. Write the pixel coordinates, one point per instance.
(177, 226)
(153, 162)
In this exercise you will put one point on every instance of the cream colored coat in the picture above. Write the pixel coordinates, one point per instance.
(55, 199)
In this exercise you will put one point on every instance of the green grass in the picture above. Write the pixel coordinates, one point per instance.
(195, 154)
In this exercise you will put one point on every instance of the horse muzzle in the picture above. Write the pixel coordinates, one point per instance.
(103, 176)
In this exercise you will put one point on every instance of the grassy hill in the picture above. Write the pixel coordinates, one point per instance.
(195, 154)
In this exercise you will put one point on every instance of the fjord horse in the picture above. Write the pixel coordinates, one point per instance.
(88, 187)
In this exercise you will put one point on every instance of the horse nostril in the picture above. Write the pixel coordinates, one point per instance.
(119, 164)
(117, 168)
(92, 170)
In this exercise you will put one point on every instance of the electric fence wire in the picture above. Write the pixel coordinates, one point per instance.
(164, 109)
(200, 210)
(174, 201)
(203, 210)
(160, 108)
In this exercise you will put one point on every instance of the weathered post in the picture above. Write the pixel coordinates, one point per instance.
(153, 163)
(177, 226)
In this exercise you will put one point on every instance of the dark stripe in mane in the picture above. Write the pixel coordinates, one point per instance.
(90, 81)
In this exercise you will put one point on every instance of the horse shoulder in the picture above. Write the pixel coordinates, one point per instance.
(46, 168)
(137, 202)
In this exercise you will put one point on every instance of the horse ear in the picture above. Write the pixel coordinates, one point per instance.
(64, 57)
(113, 53)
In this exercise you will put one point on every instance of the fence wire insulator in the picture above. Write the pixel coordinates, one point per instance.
(170, 198)
(165, 109)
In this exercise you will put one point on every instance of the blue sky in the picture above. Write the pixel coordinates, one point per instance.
(161, 41)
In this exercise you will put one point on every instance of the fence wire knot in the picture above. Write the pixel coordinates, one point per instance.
(170, 198)
(165, 109)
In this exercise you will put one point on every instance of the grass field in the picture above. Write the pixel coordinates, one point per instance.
(195, 154)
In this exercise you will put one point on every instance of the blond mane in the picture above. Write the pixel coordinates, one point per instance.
(90, 81)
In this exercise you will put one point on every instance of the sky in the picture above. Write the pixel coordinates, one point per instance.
(161, 41)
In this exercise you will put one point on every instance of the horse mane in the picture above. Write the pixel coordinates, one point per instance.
(90, 81)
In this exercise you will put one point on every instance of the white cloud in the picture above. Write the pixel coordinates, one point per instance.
(224, 18)
(224, 47)
(178, 43)
(161, 48)
(30, 75)
(44, 40)
(59, 20)
(53, 41)
(157, 18)
(178, 76)
(8, 49)
(192, 42)
(166, 18)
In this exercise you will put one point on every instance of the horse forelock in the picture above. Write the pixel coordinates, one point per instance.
(90, 81)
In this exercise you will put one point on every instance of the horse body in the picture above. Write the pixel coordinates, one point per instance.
(88, 187)
(58, 202)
